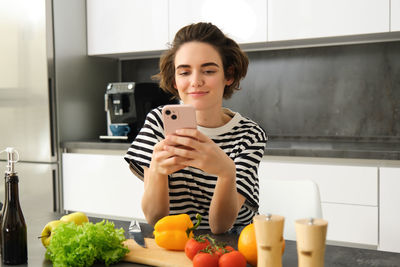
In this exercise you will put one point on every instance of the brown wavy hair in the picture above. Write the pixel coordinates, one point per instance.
(234, 60)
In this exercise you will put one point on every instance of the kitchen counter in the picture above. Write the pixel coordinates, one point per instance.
(335, 255)
(334, 147)
(326, 147)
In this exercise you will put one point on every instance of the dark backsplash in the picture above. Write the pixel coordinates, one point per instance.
(338, 91)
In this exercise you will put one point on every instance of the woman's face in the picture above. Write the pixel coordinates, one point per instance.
(199, 76)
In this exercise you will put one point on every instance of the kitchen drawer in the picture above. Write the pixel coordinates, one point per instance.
(395, 15)
(337, 183)
(101, 184)
(389, 215)
(351, 223)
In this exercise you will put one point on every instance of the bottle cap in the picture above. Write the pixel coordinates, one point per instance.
(12, 158)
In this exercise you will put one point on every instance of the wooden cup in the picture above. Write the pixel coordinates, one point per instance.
(269, 238)
(311, 237)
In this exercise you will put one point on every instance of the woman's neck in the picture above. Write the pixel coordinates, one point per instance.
(212, 119)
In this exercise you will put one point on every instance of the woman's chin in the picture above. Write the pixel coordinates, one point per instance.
(201, 105)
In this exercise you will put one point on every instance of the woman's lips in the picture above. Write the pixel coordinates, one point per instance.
(198, 94)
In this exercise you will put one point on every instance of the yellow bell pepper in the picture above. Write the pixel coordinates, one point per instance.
(173, 231)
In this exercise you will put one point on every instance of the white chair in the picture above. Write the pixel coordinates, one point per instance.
(293, 199)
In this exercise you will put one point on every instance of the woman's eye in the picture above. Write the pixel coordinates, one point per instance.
(183, 73)
(210, 71)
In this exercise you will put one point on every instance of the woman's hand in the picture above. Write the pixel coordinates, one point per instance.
(192, 148)
(164, 162)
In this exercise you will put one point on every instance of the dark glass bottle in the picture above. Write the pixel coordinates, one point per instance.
(14, 247)
(3, 208)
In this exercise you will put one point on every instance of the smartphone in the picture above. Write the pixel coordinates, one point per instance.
(177, 117)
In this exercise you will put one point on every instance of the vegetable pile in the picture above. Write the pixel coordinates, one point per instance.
(83, 245)
(205, 251)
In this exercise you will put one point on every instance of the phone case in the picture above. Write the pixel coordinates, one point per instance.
(178, 117)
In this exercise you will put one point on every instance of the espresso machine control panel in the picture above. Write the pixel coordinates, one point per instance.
(119, 101)
(127, 105)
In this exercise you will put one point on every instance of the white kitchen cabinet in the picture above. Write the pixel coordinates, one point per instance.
(101, 185)
(245, 21)
(351, 223)
(349, 196)
(290, 19)
(337, 183)
(389, 212)
(394, 15)
(126, 26)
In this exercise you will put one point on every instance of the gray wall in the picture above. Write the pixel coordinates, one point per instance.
(80, 80)
(341, 91)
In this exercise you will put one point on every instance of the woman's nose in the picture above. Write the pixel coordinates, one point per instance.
(197, 80)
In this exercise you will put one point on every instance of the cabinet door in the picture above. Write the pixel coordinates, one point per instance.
(349, 196)
(351, 223)
(394, 15)
(122, 26)
(290, 19)
(389, 213)
(245, 21)
(356, 185)
(101, 185)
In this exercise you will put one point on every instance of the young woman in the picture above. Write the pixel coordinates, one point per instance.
(214, 170)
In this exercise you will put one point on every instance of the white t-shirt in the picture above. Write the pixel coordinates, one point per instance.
(191, 189)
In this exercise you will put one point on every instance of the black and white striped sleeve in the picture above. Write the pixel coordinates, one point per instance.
(140, 152)
(247, 162)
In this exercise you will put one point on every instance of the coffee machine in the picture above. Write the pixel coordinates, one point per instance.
(127, 103)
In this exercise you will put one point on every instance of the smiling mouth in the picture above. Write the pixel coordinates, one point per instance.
(198, 93)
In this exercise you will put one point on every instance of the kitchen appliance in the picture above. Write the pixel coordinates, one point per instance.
(129, 103)
(43, 40)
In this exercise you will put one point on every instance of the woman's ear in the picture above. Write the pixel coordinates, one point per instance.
(229, 82)
(229, 76)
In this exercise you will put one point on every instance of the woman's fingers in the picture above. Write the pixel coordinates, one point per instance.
(193, 133)
(181, 151)
(185, 141)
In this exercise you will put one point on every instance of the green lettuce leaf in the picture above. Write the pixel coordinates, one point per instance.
(83, 245)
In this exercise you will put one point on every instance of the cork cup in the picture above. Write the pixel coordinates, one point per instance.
(311, 237)
(269, 238)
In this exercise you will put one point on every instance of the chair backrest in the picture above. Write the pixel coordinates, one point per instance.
(293, 199)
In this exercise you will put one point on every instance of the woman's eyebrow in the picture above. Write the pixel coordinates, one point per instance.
(210, 64)
(182, 66)
(202, 65)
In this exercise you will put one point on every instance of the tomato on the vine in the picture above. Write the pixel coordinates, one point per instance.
(222, 250)
(204, 259)
(194, 245)
(232, 259)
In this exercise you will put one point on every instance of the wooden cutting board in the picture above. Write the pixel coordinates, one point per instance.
(155, 255)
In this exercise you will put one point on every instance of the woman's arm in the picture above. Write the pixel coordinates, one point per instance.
(155, 200)
(204, 154)
(225, 204)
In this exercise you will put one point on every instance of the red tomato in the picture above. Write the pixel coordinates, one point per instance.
(194, 245)
(203, 259)
(221, 251)
(232, 259)
(229, 248)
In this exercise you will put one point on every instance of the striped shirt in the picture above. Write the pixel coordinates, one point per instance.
(191, 189)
